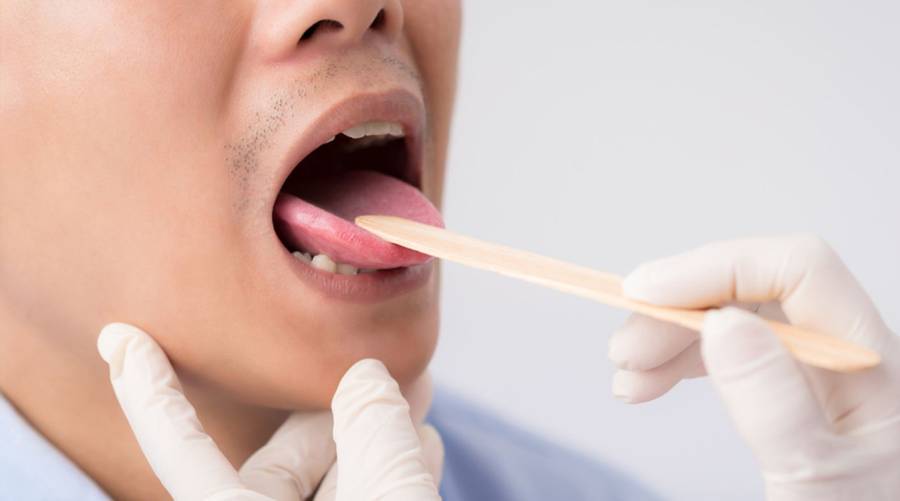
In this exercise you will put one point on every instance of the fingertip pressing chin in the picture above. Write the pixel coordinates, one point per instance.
(365, 382)
(112, 343)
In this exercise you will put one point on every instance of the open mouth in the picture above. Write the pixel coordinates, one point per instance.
(369, 168)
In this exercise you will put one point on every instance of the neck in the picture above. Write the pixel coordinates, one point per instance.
(64, 392)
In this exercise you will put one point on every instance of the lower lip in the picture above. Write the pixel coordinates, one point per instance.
(363, 287)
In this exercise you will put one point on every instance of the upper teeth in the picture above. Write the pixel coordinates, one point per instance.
(374, 129)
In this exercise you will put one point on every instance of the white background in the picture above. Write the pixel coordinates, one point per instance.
(609, 133)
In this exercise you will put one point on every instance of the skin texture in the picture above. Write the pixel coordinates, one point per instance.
(141, 143)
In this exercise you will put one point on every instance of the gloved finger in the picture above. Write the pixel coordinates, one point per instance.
(182, 455)
(635, 387)
(644, 343)
(378, 449)
(432, 451)
(813, 285)
(294, 460)
(762, 387)
(328, 488)
(419, 395)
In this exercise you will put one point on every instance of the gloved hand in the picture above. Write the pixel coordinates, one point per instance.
(379, 450)
(818, 435)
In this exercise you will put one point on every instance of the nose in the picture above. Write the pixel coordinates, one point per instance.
(285, 25)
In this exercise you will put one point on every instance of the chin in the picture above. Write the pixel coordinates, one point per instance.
(298, 365)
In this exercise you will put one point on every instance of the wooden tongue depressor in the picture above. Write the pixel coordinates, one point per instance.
(810, 347)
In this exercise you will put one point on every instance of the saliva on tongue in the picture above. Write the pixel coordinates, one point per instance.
(318, 217)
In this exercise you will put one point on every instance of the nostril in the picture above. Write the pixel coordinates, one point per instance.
(379, 20)
(323, 25)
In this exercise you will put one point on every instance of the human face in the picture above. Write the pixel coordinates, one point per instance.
(144, 145)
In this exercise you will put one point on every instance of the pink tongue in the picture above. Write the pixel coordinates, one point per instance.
(319, 219)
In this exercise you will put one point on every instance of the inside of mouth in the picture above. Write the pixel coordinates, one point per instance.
(338, 181)
(344, 154)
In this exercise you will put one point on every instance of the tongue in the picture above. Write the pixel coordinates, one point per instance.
(319, 217)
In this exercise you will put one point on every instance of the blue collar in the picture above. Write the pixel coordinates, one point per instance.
(32, 468)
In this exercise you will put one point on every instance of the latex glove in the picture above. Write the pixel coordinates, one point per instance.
(818, 435)
(400, 461)
(370, 419)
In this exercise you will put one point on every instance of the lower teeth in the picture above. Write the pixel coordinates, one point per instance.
(325, 263)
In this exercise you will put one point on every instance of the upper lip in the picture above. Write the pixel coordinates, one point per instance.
(397, 106)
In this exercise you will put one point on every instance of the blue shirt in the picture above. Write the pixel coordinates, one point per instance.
(486, 459)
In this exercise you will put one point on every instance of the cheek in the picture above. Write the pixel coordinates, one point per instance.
(110, 140)
(433, 30)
